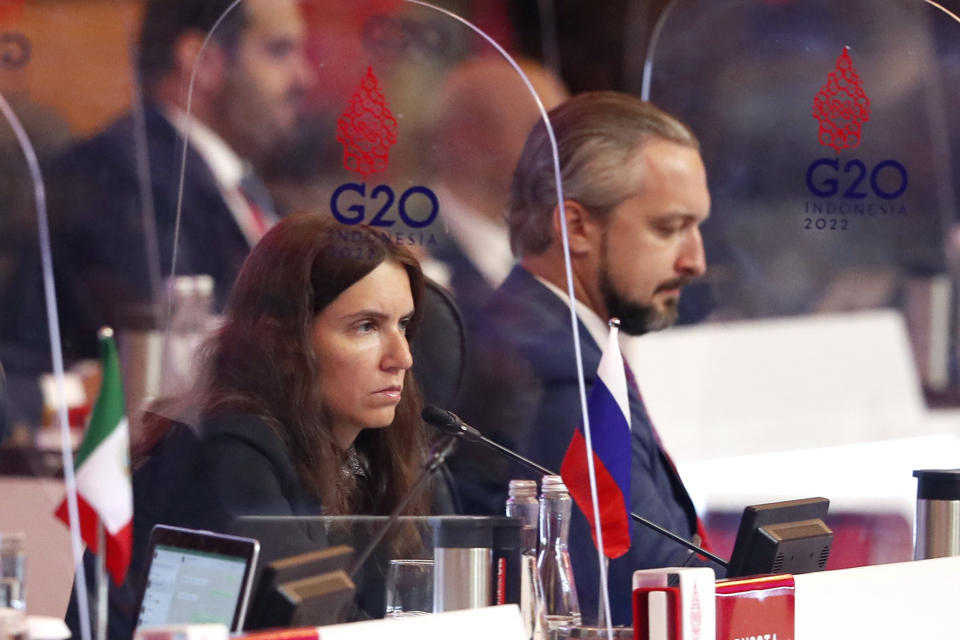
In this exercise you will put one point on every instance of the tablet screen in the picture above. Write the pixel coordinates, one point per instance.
(196, 577)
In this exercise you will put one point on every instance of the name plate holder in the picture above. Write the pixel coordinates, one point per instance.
(674, 604)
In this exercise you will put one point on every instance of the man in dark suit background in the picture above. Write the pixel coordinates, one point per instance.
(635, 195)
(480, 120)
(116, 195)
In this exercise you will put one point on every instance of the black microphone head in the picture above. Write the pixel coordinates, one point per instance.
(443, 420)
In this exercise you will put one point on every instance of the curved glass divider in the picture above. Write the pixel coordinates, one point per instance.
(410, 538)
(23, 347)
(393, 115)
(65, 74)
(827, 317)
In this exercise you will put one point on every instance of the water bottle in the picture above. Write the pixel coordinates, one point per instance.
(191, 302)
(190, 322)
(522, 504)
(561, 608)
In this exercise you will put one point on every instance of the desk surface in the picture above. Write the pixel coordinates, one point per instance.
(28, 505)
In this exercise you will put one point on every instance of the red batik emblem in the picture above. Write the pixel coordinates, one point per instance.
(10, 10)
(696, 614)
(841, 106)
(367, 128)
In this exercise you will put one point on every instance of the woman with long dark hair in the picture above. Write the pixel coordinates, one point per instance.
(305, 403)
(283, 360)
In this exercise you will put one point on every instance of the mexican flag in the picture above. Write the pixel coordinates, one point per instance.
(104, 491)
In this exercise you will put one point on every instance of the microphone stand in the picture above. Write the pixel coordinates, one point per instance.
(471, 433)
(437, 457)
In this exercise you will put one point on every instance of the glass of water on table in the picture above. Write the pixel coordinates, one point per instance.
(13, 571)
(409, 588)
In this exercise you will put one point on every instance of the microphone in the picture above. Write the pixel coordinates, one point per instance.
(451, 425)
(437, 457)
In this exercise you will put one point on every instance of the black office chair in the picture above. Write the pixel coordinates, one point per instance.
(440, 348)
(439, 366)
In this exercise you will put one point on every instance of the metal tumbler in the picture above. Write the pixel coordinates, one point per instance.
(462, 563)
(938, 513)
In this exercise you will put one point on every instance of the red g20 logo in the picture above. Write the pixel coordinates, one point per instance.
(367, 129)
(842, 108)
(14, 46)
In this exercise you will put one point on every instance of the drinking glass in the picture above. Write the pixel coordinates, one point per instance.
(13, 624)
(13, 571)
(409, 588)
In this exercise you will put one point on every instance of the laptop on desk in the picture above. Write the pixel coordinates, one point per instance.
(196, 577)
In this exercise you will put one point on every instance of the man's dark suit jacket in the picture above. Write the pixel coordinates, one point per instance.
(524, 394)
(98, 228)
(470, 288)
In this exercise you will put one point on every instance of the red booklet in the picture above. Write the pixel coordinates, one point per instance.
(757, 607)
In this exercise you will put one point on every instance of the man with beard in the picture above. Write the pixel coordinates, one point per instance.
(635, 195)
(116, 196)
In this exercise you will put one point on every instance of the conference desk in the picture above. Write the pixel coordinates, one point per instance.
(882, 602)
(901, 600)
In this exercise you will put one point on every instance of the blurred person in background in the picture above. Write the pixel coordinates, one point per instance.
(635, 192)
(481, 119)
(306, 405)
(115, 196)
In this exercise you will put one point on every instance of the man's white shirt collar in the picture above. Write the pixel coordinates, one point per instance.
(227, 167)
(598, 328)
(485, 243)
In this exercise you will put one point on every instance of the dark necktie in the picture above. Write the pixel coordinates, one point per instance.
(632, 381)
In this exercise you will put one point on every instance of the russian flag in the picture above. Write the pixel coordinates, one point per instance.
(608, 408)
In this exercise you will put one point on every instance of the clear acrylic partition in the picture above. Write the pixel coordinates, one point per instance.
(65, 74)
(449, 113)
(408, 120)
(830, 136)
(409, 538)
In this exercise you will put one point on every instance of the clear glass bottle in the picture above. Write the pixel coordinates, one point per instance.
(522, 503)
(191, 306)
(191, 303)
(561, 608)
